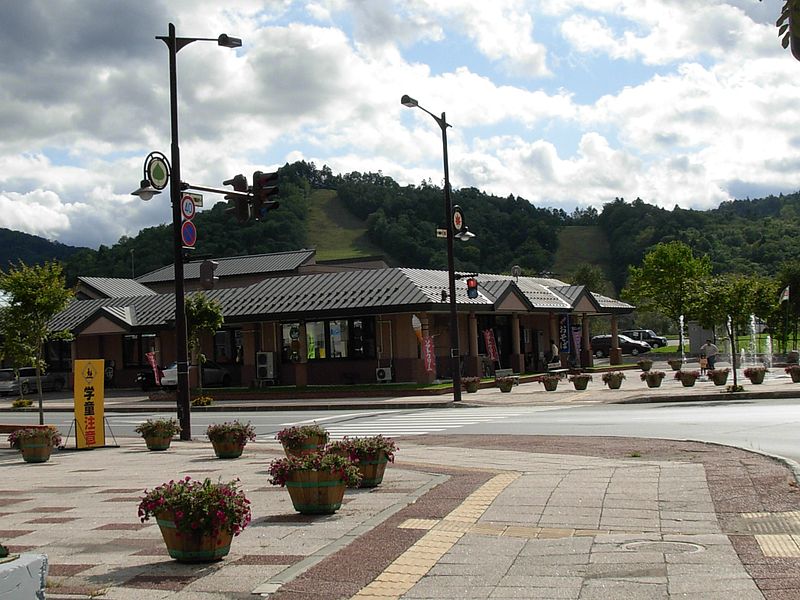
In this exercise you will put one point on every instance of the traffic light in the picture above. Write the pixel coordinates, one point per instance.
(207, 277)
(241, 205)
(472, 287)
(265, 185)
(789, 27)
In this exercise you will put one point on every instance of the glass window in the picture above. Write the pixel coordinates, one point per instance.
(339, 338)
(131, 350)
(290, 336)
(315, 339)
(134, 348)
(223, 347)
(362, 338)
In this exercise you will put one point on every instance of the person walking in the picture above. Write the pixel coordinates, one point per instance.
(711, 351)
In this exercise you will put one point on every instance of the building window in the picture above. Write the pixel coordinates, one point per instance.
(335, 338)
(315, 339)
(134, 347)
(290, 336)
(339, 338)
(228, 346)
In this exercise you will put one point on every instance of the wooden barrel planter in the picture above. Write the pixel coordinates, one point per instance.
(157, 443)
(719, 377)
(550, 385)
(227, 448)
(309, 445)
(675, 364)
(687, 380)
(653, 379)
(756, 378)
(193, 547)
(316, 492)
(471, 386)
(372, 469)
(36, 452)
(795, 375)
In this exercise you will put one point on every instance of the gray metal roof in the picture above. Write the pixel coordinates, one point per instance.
(276, 262)
(114, 287)
(324, 295)
(612, 304)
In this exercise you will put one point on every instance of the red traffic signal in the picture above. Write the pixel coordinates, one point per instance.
(472, 287)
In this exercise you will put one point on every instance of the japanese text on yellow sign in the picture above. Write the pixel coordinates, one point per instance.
(89, 396)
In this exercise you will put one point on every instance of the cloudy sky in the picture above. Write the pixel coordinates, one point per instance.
(566, 104)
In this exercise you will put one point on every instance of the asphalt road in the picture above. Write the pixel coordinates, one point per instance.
(766, 425)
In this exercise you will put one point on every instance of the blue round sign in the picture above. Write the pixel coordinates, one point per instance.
(188, 234)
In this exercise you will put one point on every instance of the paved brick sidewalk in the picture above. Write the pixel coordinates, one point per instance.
(457, 516)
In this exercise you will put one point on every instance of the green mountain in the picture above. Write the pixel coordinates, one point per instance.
(16, 246)
(361, 214)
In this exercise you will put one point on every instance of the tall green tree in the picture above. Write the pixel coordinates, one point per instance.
(203, 316)
(666, 281)
(34, 296)
(730, 300)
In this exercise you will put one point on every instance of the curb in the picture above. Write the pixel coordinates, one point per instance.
(718, 397)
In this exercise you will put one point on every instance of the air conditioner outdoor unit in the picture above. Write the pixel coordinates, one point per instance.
(383, 374)
(265, 366)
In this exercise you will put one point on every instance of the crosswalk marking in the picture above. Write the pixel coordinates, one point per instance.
(417, 423)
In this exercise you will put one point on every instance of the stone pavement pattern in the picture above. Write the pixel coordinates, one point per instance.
(456, 517)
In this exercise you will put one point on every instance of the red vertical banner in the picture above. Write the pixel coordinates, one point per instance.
(491, 346)
(151, 360)
(429, 354)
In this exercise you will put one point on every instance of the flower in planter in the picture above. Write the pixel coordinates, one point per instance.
(281, 469)
(199, 506)
(751, 372)
(241, 433)
(645, 364)
(580, 380)
(679, 375)
(550, 382)
(158, 428)
(471, 383)
(293, 438)
(49, 435)
(505, 383)
(794, 372)
(652, 375)
(361, 448)
(613, 376)
(718, 376)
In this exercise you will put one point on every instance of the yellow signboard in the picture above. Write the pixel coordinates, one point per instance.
(89, 396)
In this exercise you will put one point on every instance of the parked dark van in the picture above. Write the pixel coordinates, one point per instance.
(601, 345)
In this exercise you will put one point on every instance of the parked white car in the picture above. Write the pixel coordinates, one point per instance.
(213, 374)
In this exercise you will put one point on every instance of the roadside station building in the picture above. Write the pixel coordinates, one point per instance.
(290, 320)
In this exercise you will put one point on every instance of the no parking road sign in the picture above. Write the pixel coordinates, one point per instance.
(188, 234)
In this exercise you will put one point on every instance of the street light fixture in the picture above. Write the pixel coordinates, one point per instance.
(464, 235)
(174, 44)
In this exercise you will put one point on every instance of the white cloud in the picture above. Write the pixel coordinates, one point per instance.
(562, 103)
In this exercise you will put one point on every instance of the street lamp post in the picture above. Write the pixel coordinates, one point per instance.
(174, 44)
(455, 352)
